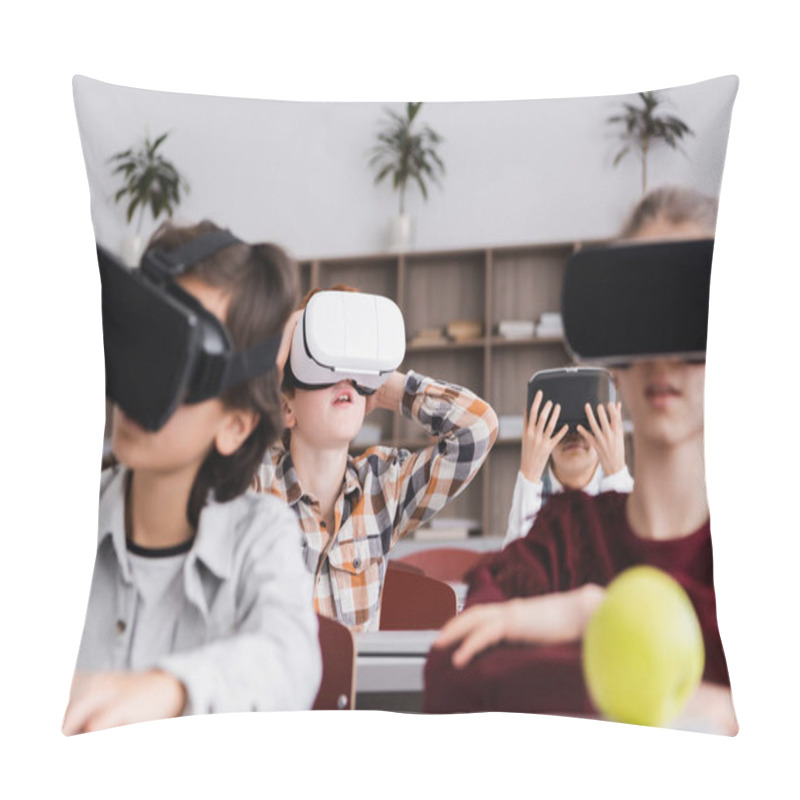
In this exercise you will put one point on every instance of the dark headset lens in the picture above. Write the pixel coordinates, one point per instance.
(148, 344)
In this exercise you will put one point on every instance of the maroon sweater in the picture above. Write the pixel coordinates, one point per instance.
(576, 539)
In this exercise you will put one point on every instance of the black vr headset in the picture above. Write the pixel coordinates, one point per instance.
(633, 302)
(573, 388)
(162, 346)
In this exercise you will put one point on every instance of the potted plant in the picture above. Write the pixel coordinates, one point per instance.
(644, 129)
(149, 182)
(409, 156)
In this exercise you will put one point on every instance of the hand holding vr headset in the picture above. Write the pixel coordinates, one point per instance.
(544, 431)
(573, 439)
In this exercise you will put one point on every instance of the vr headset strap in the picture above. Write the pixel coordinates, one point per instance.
(249, 363)
(173, 263)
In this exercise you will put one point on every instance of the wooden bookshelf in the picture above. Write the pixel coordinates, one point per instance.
(487, 284)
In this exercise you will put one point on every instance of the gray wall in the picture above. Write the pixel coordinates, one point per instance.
(296, 173)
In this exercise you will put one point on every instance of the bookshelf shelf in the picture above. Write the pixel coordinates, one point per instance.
(472, 344)
(486, 284)
(501, 341)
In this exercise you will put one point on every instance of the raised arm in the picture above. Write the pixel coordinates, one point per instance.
(539, 439)
(466, 428)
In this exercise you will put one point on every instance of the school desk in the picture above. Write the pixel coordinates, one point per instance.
(389, 669)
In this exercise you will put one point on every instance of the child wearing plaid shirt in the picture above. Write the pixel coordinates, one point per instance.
(353, 510)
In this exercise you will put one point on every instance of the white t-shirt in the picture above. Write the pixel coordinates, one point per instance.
(528, 500)
(160, 596)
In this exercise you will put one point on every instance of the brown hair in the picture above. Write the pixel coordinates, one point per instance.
(675, 204)
(261, 281)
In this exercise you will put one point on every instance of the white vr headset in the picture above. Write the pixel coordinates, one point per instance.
(346, 336)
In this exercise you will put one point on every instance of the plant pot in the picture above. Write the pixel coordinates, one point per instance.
(131, 249)
(400, 230)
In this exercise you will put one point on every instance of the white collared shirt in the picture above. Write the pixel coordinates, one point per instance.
(245, 636)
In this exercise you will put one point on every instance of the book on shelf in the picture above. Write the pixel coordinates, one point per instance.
(550, 324)
(516, 328)
(429, 336)
(464, 330)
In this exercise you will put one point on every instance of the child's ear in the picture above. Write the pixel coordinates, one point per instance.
(287, 413)
(237, 426)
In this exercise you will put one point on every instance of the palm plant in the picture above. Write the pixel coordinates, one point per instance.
(150, 181)
(406, 155)
(643, 130)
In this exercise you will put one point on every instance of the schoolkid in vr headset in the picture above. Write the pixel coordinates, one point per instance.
(200, 600)
(346, 348)
(582, 449)
(554, 578)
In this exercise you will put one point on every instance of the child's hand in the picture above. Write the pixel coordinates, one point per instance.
(538, 440)
(100, 700)
(286, 341)
(607, 436)
(547, 619)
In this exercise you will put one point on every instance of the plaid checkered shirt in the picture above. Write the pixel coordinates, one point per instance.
(386, 493)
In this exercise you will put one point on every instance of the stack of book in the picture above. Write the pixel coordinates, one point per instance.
(550, 324)
(516, 328)
(429, 336)
(464, 330)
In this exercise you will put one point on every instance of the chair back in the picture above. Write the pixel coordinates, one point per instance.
(337, 690)
(414, 602)
(399, 563)
(449, 564)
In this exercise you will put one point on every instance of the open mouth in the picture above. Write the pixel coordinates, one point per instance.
(343, 396)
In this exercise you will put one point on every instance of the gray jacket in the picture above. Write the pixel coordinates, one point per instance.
(246, 635)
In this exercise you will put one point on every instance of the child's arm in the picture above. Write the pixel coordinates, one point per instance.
(100, 700)
(466, 427)
(271, 660)
(525, 505)
(539, 439)
(617, 482)
(546, 619)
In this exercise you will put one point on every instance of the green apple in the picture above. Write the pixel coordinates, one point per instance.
(643, 652)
